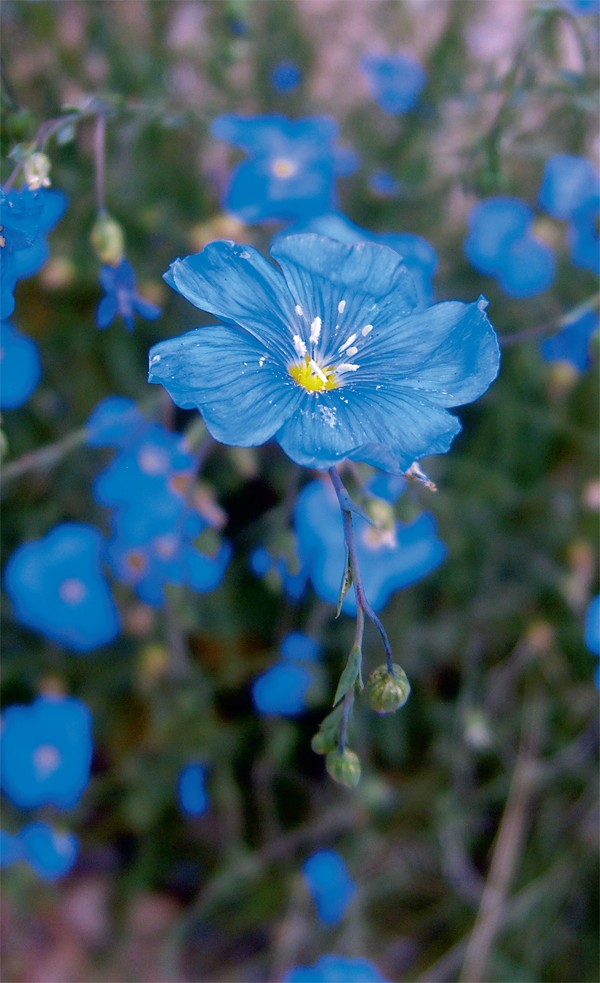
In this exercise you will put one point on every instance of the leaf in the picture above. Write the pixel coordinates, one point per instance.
(347, 504)
(350, 675)
(326, 738)
(347, 581)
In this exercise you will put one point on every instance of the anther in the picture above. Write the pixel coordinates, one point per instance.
(299, 310)
(315, 331)
(299, 346)
(366, 329)
(341, 306)
(347, 343)
(317, 370)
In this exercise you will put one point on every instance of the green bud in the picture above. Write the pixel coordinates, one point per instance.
(343, 767)
(327, 736)
(108, 240)
(387, 692)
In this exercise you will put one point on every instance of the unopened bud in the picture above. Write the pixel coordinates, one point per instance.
(36, 169)
(388, 691)
(108, 240)
(343, 767)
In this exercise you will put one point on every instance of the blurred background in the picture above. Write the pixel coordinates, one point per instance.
(164, 817)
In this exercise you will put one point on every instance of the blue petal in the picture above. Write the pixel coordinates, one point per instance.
(19, 367)
(527, 267)
(243, 392)
(321, 273)
(237, 284)
(107, 310)
(494, 224)
(256, 194)
(28, 261)
(146, 309)
(569, 183)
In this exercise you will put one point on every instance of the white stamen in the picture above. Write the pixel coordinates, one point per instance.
(317, 370)
(347, 343)
(346, 367)
(366, 329)
(299, 346)
(261, 361)
(154, 359)
(341, 306)
(352, 351)
(315, 330)
(299, 310)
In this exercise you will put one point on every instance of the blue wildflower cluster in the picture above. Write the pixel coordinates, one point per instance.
(148, 486)
(570, 191)
(49, 852)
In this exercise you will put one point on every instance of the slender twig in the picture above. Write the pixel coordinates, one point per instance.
(361, 599)
(44, 457)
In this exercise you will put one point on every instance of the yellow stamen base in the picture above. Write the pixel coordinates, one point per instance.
(305, 376)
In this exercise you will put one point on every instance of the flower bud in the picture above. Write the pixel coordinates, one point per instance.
(108, 240)
(343, 767)
(387, 691)
(36, 169)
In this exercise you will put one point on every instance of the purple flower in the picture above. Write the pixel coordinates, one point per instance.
(121, 298)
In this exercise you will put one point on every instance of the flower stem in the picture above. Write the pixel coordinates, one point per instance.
(363, 606)
(346, 709)
(99, 159)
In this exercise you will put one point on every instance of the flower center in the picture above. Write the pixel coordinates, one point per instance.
(72, 591)
(153, 460)
(313, 377)
(166, 546)
(136, 562)
(284, 168)
(46, 759)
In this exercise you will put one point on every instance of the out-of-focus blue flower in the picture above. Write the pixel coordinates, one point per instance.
(297, 647)
(56, 586)
(191, 789)
(500, 243)
(582, 6)
(394, 81)
(10, 849)
(260, 561)
(572, 343)
(330, 884)
(116, 422)
(121, 298)
(335, 969)
(389, 487)
(51, 854)
(383, 184)
(592, 626)
(330, 357)
(25, 217)
(418, 255)
(149, 562)
(388, 560)
(281, 689)
(262, 564)
(582, 236)
(286, 76)
(291, 167)
(569, 183)
(19, 367)
(46, 752)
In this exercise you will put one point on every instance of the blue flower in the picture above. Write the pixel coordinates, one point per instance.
(388, 560)
(335, 969)
(191, 789)
(51, 854)
(57, 587)
(330, 884)
(330, 357)
(116, 422)
(297, 647)
(572, 343)
(592, 626)
(121, 298)
(582, 6)
(46, 752)
(19, 367)
(382, 183)
(281, 689)
(10, 849)
(25, 217)
(394, 81)
(417, 254)
(569, 183)
(582, 236)
(291, 168)
(263, 564)
(285, 77)
(500, 243)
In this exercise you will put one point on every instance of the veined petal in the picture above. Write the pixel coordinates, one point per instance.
(236, 283)
(244, 393)
(368, 281)
(449, 353)
(326, 427)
